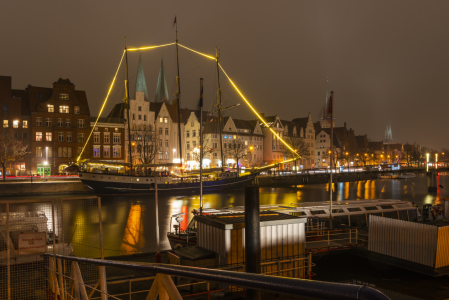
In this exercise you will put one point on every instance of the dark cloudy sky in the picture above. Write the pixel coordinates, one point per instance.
(387, 61)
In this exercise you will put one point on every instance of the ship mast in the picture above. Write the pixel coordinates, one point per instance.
(217, 57)
(178, 96)
(128, 109)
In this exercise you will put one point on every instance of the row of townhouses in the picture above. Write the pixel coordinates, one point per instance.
(55, 123)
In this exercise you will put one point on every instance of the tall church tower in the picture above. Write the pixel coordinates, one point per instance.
(325, 121)
(141, 85)
(388, 135)
(161, 89)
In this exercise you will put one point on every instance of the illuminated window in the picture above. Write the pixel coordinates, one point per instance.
(51, 108)
(97, 138)
(15, 124)
(38, 121)
(80, 123)
(106, 151)
(116, 152)
(96, 151)
(5, 123)
(64, 109)
(24, 124)
(161, 119)
(76, 110)
(116, 138)
(38, 136)
(48, 136)
(69, 137)
(106, 138)
(165, 120)
(48, 122)
(61, 137)
(68, 123)
(38, 151)
(63, 96)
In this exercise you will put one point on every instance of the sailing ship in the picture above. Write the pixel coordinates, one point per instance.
(138, 181)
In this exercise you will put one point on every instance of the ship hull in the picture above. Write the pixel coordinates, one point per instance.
(115, 184)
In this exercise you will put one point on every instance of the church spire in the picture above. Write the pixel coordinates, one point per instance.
(161, 89)
(141, 85)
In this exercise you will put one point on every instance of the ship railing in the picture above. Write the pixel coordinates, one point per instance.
(65, 281)
(335, 239)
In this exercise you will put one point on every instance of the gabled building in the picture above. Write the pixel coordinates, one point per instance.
(107, 142)
(141, 117)
(272, 145)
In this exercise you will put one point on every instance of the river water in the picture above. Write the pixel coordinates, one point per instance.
(129, 221)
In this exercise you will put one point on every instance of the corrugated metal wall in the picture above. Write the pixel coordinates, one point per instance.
(443, 247)
(402, 239)
(277, 242)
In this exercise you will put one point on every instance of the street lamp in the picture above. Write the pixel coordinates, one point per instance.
(251, 148)
(347, 160)
(436, 160)
(427, 163)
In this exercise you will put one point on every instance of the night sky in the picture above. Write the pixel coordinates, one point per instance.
(387, 61)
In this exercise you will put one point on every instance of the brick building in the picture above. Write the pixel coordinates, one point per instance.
(107, 142)
(53, 122)
(15, 116)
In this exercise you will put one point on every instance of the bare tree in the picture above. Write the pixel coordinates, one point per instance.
(145, 141)
(300, 147)
(237, 150)
(195, 152)
(11, 149)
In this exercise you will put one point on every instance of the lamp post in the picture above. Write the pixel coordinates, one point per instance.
(358, 159)
(427, 161)
(251, 148)
(347, 160)
(436, 160)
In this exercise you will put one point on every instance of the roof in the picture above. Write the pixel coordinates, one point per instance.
(118, 111)
(172, 111)
(161, 89)
(301, 123)
(108, 120)
(237, 221)
(141, 85)
(376, 146)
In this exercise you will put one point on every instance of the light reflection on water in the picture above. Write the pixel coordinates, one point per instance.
(129, 222)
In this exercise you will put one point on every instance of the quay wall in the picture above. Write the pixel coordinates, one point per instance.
(311, 179)
(13, 189)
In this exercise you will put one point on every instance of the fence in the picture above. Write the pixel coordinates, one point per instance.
(163, 286)
(30, 228)
(336, 239)
(420, 243)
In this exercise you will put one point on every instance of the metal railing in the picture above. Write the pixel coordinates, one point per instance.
(331, 239)
(163, 283)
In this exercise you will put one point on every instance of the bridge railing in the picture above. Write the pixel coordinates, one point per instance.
(65, 281)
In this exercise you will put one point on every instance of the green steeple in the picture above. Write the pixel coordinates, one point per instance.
(141, 85)
(161, 89)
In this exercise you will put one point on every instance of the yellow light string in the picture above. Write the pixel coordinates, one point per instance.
(150, 47)
(272, 165)
(259, 116)
(197, 52)
(102, 107)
